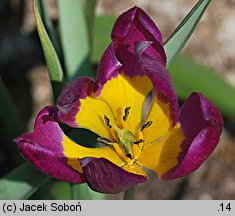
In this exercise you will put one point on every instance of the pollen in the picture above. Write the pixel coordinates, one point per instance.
(107, 121)
(126, 113)
(146, 125)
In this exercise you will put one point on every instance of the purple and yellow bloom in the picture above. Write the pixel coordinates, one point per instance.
(169, 141)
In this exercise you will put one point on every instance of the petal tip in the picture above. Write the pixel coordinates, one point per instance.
(202, 124)
(68, 103)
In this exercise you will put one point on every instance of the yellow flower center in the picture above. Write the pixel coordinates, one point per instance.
(126, 144)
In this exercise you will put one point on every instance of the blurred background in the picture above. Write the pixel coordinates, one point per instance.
(208, 60)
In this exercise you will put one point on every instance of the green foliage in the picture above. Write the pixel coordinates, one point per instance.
(83, 192)
(191, 77)
(102, 31)
(50, 29)
(9, 117)
(90, 18)
(53, 63)
(182, 33)
(61, 190)
(22, 182)
(74, 38)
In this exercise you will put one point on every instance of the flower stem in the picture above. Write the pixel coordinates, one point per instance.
(129, 194)
(74, 191)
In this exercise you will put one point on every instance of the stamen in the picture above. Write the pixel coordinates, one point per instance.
(138, 141)
(107, 121)
(129, 156)
(105, 141)
(146, 125)
(126, 113)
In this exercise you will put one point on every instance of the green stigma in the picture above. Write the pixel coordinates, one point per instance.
(125, 139)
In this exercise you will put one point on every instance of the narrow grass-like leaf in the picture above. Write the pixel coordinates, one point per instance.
(49, 27)
(83, 192)
(53, 190)
(8, 113)
(181, 35)
(13, 125)
(189, 77)
(60, 190)
(43, 193)
(74, 38)
(21, 183)
(54, 67)
(90, 18)
(102, 30)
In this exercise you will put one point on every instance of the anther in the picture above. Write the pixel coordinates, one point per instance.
(107, 121)
(126, 113)
(129, 156)
(146, 125)
(138, 141)
(105, 141)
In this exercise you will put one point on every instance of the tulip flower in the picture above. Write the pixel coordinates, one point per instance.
(170, 141)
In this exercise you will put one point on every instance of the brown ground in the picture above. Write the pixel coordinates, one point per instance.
(213, 44)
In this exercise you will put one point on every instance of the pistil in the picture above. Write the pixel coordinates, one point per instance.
(126, 145)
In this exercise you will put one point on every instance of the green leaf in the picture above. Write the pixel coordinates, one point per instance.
(9, 114)
(83, 192)
(60, 190)
(74, 38)
(181, 35)
(90, 18)
(49, 27)
(21, 183)
(102, 31)
(13, 125)
(189, 77)
(54, 67)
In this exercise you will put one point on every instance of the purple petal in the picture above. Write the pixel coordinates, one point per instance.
(104, 176)
(43, 148)
(116, 61)
(135, 25)
(142, 65)
(68, 103)
(131, 27)
(163, 86)
(108, 66)
(202, 126)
